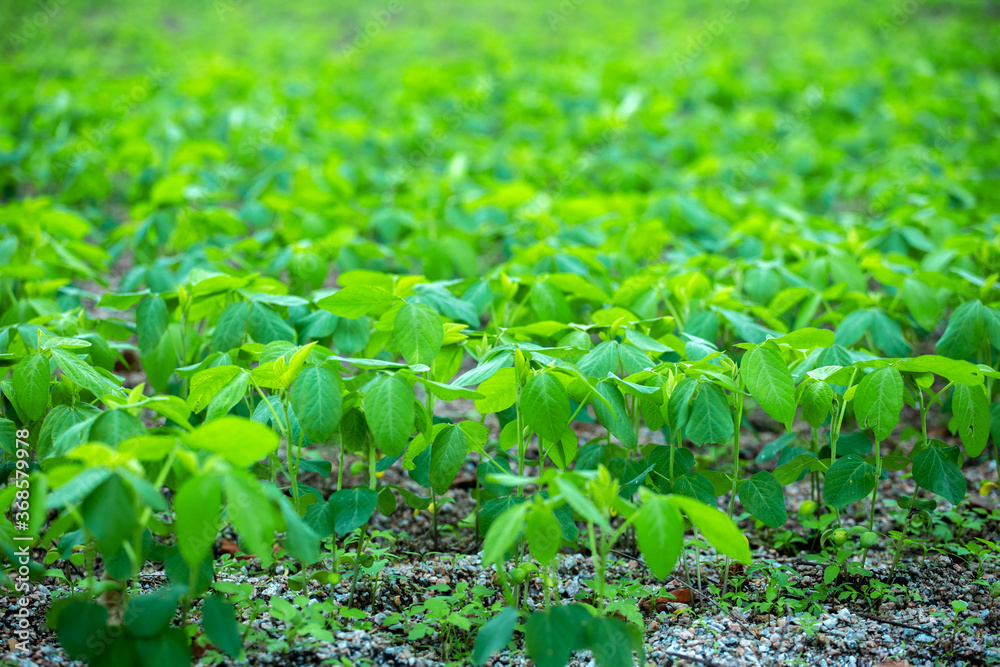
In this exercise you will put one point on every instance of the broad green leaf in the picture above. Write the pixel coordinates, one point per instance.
(853, 327)
(494, 635)
(972, 417)
(197, 506)
(615, 419)
(922, 302)
(109, 514)
(31, 385)
(601, 360)
(354, 301)
(352, 508)
(551, 636)
(769, 381)
(954, 370)
(251, 513)
(151, 320)
(878, 401)
(228, 396)
(448, 453)
(709, 418)
(806, 339)
(114, 426)
(388, 406)
(888, 336)
(545, 406)
(231, 329)
(219, 621)
(500, 391)
(716, 527)
(612, 641)
(693, 485)
(236, 439)
(816, 401)
(77, 370)
(503, 533)
(419, 333)
(764, 498)
(848, 480)
(317, 401)
(301, 540)
(544, 534)
(549, 303)
(965, 331)
(935, 469)
(659, 532)
(266, 326)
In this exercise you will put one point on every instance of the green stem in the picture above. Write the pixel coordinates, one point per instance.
(841, 412)
(878, 476)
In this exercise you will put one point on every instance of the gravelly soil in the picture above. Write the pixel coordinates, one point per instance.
(838, 632)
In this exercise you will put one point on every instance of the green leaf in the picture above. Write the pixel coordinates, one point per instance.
(114, 426)
(659, 532)
(79, 623)
(550, 637)
(965, 331)
(231, 329)
(317, 401)
(355, 301)
(419, 333)
(266, 326)
(601, 360)
(150, 614)
(109, 514)
(31, 385)
(769, 381)
(806, 339)
(716, 527)
(936, 470)
(494, 635)
(151, 320)
(448, 453)
(77, 370)
(500, 392)
(612, 641)
(228, 396)
(197, 506)
(218, 618)
(694, 485)
(848, 480)
(764, 498)
(709, 420)
(816, 401)
(251, 513)
(878, 401)
(544, 533)
(503, 532)
(953, 370)
(388, 406)
(545, 406)
(238, 440)
(922, 302)
(972, 417)
(853, 327)
(352, 508)
(301, 540)
(549, 303)
(615, 419)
